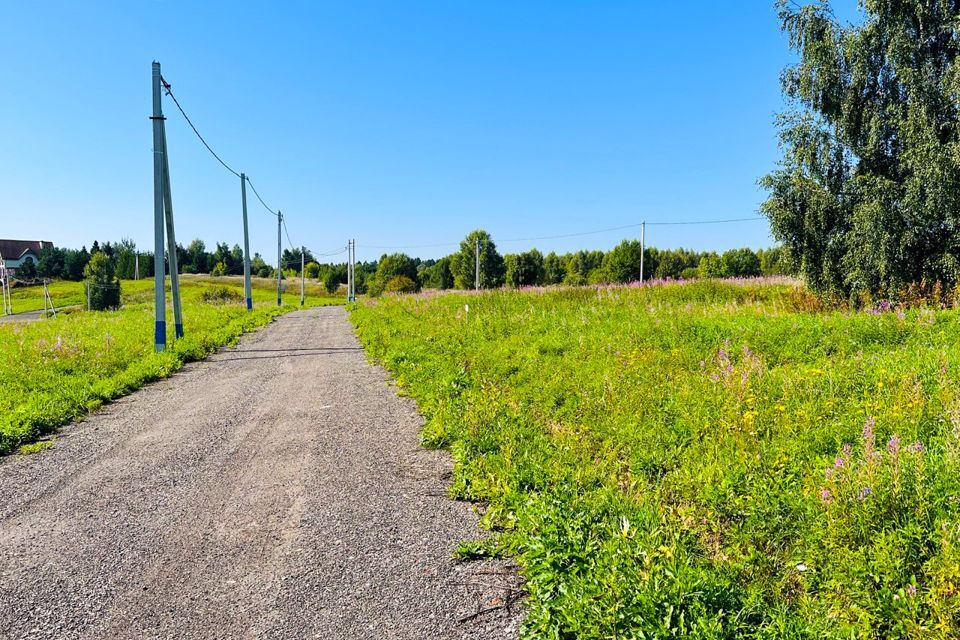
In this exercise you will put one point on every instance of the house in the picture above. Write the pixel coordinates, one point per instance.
(13, 253)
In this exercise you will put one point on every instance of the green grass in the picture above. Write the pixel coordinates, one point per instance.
(66, 293)
(699, 460)
(58, 369)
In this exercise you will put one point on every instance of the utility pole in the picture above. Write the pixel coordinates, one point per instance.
(303, 272)
(351, 276)
(478, 264)
(87, 282)
(279, 264)
(353, 271)
(159, 297)
(172, 260)
(136, 267)
(643, 246)
(247, 292)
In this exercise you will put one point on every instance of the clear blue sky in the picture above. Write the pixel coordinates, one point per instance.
(396, 123)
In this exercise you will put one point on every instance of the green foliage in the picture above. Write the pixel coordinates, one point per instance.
(463, 264)
(698, 460)
(438, 275)
(390, 267)
(400, 284)
(27, 270)
(104, 286)
(524, 269)
(221, 294)
(554, 271)
(220, 269)
(740, 263)
(622, 263)
(711, 266)
(313, 270)
(867, 196)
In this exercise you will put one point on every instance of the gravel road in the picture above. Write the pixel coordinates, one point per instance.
(275, 490)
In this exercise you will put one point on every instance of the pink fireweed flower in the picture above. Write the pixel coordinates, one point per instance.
(847, 449)
(893, 446)
(824, 494)
(828, 472)
(916, 447)
(838, 463)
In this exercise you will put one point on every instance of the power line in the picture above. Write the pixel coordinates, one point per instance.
(166, 85)
(259, 198)
(574, 235)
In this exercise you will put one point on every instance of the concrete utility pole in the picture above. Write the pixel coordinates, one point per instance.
(136, 267)
(159, 297)
(172, 260)
(353, 271)
(279, 263)
(247, 292)
(303, 271)
(643, 246)
(478, 264)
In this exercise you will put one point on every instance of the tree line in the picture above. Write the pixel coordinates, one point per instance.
(399, 272)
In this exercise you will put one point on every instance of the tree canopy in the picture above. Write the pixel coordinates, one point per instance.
(867, 196)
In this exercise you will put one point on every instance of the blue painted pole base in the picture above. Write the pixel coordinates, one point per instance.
(249, 304)
(160, 335)
(178, 330)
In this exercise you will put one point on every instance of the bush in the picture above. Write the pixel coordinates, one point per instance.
(221, 294)
(400, 284)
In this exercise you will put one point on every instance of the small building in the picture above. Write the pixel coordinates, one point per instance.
(13, 253)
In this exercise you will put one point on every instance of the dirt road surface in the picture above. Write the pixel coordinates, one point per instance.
(275, 490)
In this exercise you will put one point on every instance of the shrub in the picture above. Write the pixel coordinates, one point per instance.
(221, 294)
(400, 284)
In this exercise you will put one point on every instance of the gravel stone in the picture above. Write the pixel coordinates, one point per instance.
(274, 490)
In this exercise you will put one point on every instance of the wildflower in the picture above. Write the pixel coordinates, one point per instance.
(802, 567)
(893, 446)
(828, 472)
(825, 494)
(866, 491)
(868, 436)
(916, 447)
(838, 463)
(722, 354)
(847, 449)
(912, 590)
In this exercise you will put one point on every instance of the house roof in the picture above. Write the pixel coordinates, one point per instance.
(14, 249)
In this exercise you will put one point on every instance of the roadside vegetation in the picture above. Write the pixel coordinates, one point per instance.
(58, 369)
(713, 459)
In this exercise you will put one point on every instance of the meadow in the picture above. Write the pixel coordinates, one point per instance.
(701, 460)
(57, 369)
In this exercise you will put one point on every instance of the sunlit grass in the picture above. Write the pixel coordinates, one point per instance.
(698, 460)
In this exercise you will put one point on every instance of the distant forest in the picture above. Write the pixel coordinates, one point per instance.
(403, 273)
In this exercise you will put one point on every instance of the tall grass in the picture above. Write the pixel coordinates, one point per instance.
(698, 460)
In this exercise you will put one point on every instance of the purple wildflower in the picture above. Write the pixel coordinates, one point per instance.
(825, 494)
(893, 446)
(847, 449)
(866, 491)
(912, 590)
(916, 447)
(868, 436)
(838, 463)
(828, 472)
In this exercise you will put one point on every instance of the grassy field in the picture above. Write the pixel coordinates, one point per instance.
(66, 293)
(57, 369)
(700, 460)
